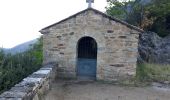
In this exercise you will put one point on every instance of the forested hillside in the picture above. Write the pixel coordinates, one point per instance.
(13, 68)
(150, 15)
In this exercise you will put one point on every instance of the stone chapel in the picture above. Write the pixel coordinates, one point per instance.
(93, 45)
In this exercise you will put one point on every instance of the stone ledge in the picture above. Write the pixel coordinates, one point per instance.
(33, 85)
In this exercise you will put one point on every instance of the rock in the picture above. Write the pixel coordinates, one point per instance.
(166, 82)
(154, 49)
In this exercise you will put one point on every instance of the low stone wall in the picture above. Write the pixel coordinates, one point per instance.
(33, 86)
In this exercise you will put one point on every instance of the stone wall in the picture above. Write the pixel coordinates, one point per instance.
(117, 45)
(33, 86)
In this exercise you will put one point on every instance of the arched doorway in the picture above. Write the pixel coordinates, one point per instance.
(86, 58)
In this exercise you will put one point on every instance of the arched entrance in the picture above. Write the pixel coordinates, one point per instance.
(86, 58)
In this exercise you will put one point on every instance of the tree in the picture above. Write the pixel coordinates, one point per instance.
(13, 68)
(159, 11)
(116, 9)
(1, 56)
(150, 15)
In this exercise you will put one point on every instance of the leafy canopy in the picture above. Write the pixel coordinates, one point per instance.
(150, 15)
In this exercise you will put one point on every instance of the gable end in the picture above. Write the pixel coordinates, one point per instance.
(43, 31)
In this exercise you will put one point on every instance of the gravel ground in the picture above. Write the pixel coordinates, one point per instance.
(74, 90)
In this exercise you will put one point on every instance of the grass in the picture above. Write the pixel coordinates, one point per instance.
(153, 73)
(145, 75)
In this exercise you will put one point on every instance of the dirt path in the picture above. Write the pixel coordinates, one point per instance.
(64, 90)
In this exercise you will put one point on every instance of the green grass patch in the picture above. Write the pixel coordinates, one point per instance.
(153, 73)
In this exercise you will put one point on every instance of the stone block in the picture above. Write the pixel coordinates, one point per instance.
(116, 44)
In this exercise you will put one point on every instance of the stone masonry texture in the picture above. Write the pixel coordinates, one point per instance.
(34, 86)
(117, 45)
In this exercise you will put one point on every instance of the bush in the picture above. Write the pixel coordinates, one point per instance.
(13, 68)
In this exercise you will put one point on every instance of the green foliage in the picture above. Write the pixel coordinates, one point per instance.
(127, 10)
(153, 72)
(117, 9)
(150, 16)
(1, 57)
(13, 68)
(160, 11)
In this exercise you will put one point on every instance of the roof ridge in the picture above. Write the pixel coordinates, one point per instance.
(108, 16)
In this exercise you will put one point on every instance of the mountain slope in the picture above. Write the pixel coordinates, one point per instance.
(21, 47)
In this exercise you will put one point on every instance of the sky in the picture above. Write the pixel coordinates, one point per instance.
(20, 20)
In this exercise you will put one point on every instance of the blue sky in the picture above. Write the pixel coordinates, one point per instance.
(20, 20)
